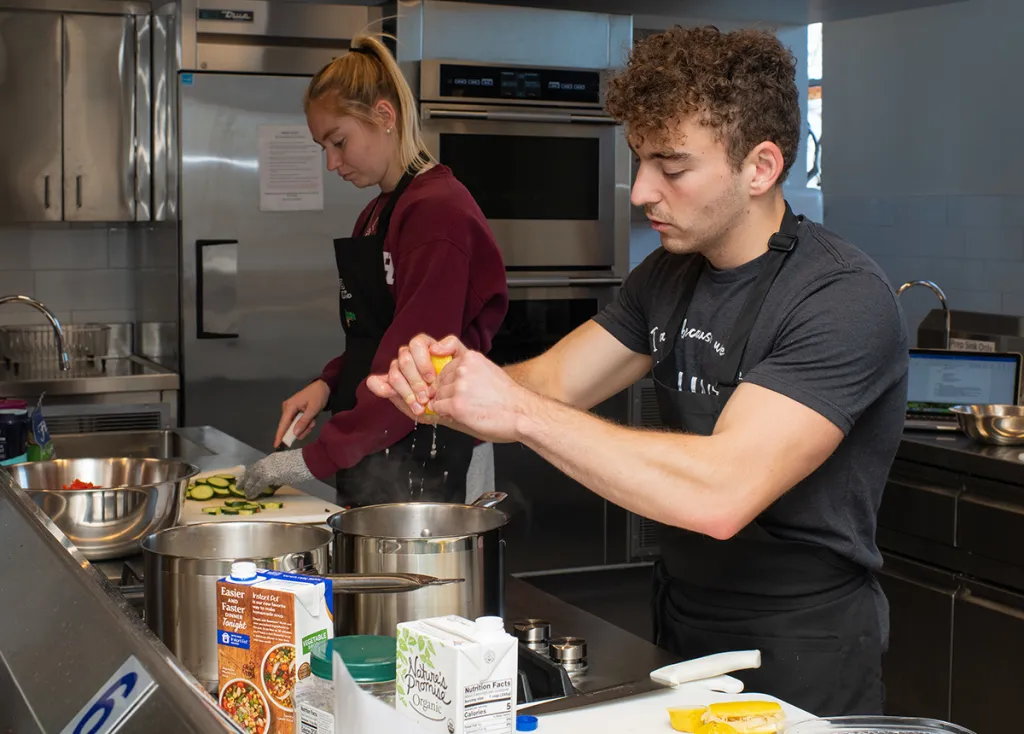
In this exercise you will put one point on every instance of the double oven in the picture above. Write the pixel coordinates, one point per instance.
(551, 171)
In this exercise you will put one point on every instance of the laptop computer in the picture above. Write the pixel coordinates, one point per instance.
(939, 379)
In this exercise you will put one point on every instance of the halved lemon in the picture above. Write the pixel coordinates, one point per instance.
(686, 719)
(439, 363)
(716, 727)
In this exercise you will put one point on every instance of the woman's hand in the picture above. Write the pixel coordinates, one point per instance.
(309, 401)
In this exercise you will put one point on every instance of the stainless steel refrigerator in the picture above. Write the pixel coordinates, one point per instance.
(258, 286)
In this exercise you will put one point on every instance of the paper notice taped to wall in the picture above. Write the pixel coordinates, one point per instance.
(291, 169)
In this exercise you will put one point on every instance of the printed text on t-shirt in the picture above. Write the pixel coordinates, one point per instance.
(702, 336)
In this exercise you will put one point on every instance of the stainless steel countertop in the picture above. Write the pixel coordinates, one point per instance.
(108, 375)
(614, 655)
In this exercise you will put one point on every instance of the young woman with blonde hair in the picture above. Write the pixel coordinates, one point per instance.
(421, 258)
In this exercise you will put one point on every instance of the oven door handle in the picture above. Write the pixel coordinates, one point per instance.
(561, 282)
(454, 114)
(515, 116)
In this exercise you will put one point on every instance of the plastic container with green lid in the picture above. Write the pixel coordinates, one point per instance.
(370, 660)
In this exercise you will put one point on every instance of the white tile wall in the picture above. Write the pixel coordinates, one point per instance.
(971, 246)
(82, 273)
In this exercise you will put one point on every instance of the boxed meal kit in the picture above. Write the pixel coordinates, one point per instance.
(267, 622)
(456, 676)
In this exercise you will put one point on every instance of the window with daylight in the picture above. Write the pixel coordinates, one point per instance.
(814, 106)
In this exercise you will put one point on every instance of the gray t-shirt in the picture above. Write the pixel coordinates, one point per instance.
(830, 335)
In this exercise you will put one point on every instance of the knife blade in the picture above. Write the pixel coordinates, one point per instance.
(624, 690)
(705, 668)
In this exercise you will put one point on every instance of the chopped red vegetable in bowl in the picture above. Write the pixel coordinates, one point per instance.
(79, 484)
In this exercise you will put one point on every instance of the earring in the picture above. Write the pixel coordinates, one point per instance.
(388, 131)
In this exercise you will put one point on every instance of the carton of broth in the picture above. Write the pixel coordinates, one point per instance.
(266, 623)
(455, 676)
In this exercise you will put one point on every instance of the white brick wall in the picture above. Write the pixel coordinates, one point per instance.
(83, 274)
(972, 246)
(920, 167)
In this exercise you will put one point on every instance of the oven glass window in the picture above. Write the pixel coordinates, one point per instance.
(532, 327)
(526, 176)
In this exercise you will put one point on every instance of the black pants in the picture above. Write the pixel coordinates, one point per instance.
(825, 659)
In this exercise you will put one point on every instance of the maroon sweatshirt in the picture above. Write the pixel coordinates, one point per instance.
(445, 272)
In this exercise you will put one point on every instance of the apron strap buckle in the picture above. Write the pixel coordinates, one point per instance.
(782, 242)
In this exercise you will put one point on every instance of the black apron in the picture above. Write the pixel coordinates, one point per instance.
(430, 463)
(810, 611)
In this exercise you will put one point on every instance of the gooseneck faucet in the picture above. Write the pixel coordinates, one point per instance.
(58, 333)
(941, 296)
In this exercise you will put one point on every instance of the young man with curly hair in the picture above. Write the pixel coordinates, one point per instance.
(780, 358)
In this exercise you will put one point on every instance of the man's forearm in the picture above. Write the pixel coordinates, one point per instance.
(532, 376)
(681, 480)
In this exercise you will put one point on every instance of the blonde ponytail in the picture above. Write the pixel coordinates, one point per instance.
(351, 84)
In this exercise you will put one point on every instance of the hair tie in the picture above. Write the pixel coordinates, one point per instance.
(362, 50)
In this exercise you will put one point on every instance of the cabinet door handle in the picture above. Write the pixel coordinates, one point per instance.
(971, 597)
(46, 191)
(78, 191)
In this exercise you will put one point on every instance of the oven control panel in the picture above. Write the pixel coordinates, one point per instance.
(573, 86)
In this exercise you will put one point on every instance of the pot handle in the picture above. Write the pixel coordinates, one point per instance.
(384, 583)
(297, 564)
(490, 499)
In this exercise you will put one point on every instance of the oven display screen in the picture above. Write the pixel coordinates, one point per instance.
(546, 85)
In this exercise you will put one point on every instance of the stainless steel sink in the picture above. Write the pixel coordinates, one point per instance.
(133, 444)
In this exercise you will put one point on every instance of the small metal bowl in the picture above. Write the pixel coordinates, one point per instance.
(136, 497)
(1001, 425)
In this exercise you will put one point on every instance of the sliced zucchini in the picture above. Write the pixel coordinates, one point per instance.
(236, 491)
(247, 511)
(228, 477)
(221, 491)
(218, 482)
(271, 505)
(211, 510)
(269, 491)
(229, 510)
(202, 492)
(236, 503)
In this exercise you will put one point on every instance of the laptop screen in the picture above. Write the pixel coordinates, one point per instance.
(938, 380)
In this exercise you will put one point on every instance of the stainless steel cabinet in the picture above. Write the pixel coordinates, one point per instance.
(68, 132)
(916, 669)
(988, 645)
(30, 124)
(99, 118)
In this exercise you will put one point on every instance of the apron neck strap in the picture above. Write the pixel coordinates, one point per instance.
(780, 245)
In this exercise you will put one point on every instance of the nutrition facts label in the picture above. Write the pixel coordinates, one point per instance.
(489, 707)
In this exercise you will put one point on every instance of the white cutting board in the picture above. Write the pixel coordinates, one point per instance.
(646, 713)
(299, 506)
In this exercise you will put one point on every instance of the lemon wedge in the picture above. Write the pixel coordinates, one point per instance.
(439, 363)
(686, 719)
(716, 727)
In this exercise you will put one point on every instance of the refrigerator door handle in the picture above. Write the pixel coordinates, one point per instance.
(222, 260)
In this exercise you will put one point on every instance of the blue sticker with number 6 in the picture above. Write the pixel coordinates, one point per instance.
(119, 697)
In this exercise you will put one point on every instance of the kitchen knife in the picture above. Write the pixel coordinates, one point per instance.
(289, 436)
(699, 669)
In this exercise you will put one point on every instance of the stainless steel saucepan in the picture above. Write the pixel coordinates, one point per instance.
(183, 565)
(432, 538)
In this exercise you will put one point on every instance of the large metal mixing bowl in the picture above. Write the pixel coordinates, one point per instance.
(1002, 425)
(139, 497)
